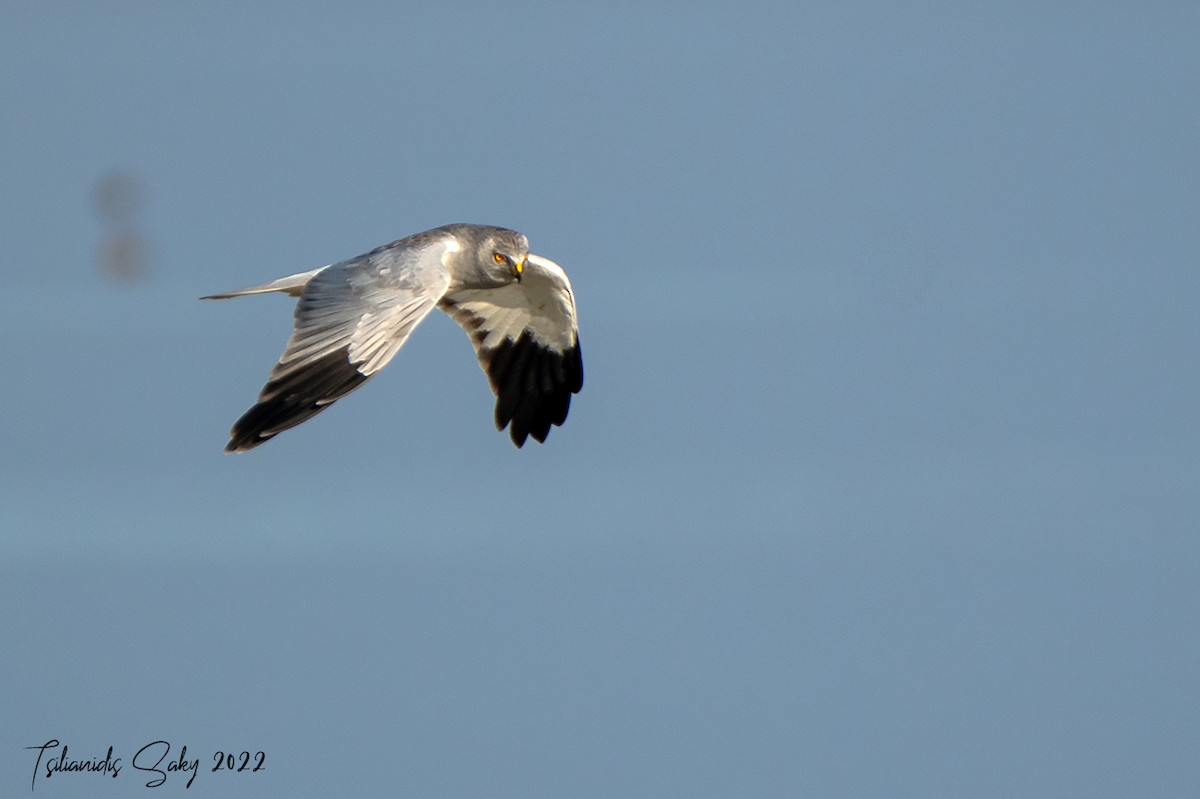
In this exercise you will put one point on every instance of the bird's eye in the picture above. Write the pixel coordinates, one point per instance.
(498, 258)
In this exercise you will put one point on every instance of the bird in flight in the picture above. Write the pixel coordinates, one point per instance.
(352, 317)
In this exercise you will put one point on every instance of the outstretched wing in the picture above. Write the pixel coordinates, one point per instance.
(526, 336)
(351, 319)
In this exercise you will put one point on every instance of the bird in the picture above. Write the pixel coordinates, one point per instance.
(353, 316)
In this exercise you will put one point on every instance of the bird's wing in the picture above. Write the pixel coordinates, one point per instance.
(351, 319)
(526, 336)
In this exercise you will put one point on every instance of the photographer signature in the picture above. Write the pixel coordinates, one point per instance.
(155, 759)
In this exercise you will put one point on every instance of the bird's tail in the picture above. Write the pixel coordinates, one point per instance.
(292, 285)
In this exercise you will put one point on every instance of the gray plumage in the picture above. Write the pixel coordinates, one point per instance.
(352, 317)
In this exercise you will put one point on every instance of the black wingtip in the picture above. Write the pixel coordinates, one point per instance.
(239, 441)
(290, 399)
(533, 385)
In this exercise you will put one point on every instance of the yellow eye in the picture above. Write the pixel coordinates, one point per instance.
(498, 258)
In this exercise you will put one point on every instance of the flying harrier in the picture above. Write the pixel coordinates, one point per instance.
(353, 317)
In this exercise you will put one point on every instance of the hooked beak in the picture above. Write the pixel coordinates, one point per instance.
(519, 266)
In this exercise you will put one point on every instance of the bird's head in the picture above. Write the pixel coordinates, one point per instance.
(484, 257)
(503, 253)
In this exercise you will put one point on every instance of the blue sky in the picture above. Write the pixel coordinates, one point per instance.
(883, 478)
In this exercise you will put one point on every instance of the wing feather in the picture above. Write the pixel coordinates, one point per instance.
(526, 337)
(351, 320)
